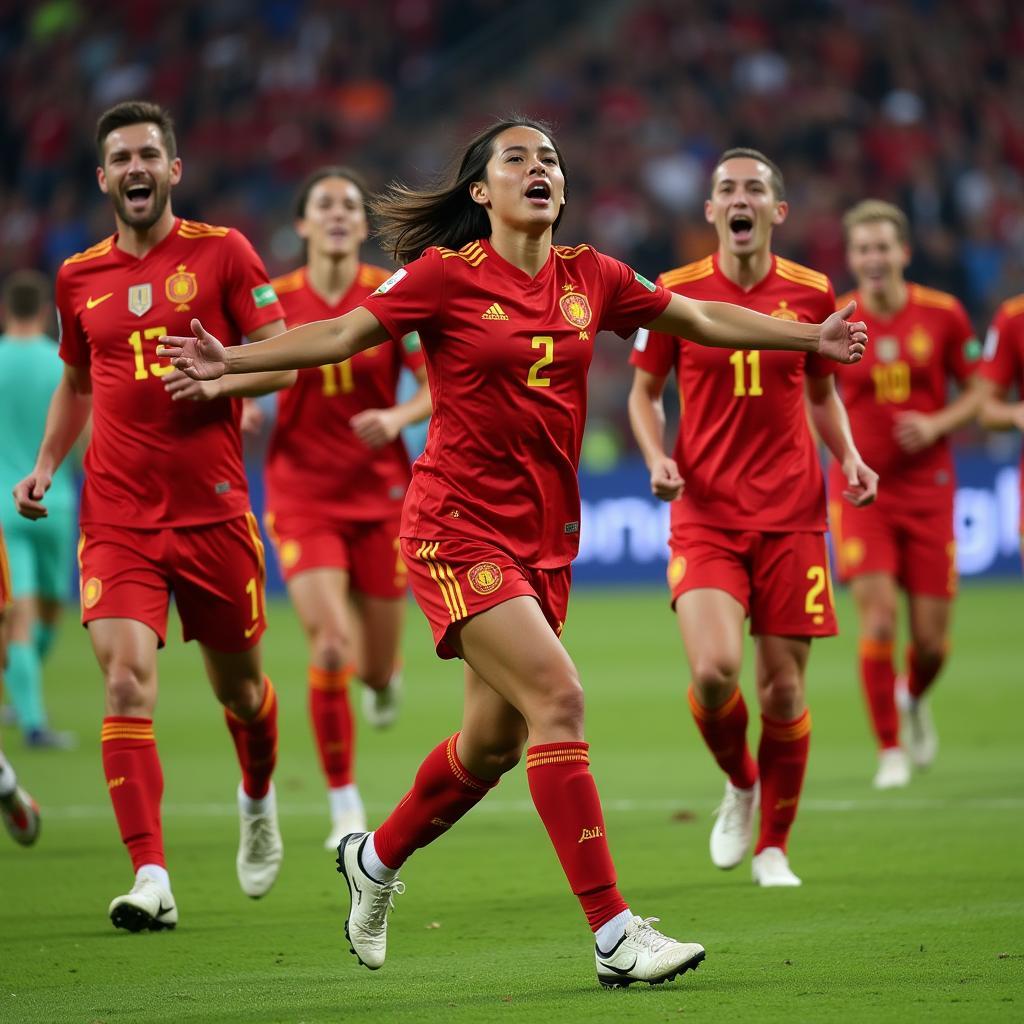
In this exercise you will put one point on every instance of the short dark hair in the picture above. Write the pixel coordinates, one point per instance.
(778, 185)
(25, 293)
(411, 220)
(136, 112)
(314, 179)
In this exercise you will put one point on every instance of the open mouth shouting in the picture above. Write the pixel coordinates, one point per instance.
(137, 196)
(741, 227)
(538, 193)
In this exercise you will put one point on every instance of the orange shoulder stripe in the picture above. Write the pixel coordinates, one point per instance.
(93, 252)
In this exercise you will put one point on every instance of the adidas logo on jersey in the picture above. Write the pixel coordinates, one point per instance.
(494, 312)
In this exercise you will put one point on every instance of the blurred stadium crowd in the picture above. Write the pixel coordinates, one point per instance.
(920, 102)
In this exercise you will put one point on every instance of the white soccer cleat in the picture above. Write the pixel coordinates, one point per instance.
(734, 826)
(366, 926)
(344, 825)
(380, 707)
(919, 735)
(260, 849)
(21, 816)
(893, 769)
(149, 906)
(770, 869)
(644, 954)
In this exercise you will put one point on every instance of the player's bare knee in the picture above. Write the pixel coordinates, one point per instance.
(714, 680)
(330, 650)
(561, 708)
(782, 694)
(242, 697)
(128, 691)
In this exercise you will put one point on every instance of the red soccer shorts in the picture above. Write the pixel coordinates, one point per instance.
(6, 592)
(216, 573)
(781, 579)
(368, 551)
(455, 579)
(911, 541)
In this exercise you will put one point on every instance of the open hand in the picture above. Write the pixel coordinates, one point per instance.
(181, 386)
(202, 357)
(915, 431)
(842, 339)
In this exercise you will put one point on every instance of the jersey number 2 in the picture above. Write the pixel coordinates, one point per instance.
(535, 380)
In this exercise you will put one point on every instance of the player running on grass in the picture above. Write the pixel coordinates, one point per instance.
(1003, 369)
(336, 473)
(748, 531)
(20, 813)
(155, 522)
(897, 399)
(491, 520)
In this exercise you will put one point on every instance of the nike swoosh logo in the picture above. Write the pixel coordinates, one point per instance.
(355, 885)
(164, 910)
(619, 970)
(91, 303)
(252, 629)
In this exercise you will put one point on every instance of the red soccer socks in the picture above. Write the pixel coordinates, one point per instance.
(135, 781)
(725, 732)
(878, 678)
(256, 743)
(565, 796)
(333, 726)
(782, 762)
(442, 792)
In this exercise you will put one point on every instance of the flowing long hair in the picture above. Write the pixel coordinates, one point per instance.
(410, 220)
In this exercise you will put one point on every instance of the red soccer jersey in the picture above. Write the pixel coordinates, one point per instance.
(316, 466)
(909, 362)
(507, 358)
(744, 446)
(151, 462)
(1004, 355)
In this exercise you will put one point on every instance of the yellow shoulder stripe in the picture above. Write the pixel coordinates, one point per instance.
(1014, 306)
(197, 229)
(287, 282)
(371, 276)
(689, 272)
(93, 252)
(472, 253)
(567, 252)
(798, 274)
(932, 297)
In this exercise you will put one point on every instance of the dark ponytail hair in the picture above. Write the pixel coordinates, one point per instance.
(410, 220)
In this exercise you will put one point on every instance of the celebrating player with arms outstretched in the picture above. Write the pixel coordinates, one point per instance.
(157, 519)
(1002, 370)
(491, 520)
(748, 532)
(897, 398)
(337, 472)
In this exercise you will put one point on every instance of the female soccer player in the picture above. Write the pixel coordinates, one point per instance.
(337, 472)
(491, 520)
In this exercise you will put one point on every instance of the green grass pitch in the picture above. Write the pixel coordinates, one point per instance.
(912, 907)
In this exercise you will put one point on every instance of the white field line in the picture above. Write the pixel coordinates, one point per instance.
(80, 812)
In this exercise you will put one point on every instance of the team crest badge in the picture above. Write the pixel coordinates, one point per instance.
(140, 299)
(485, 577)
(888, 349)
(575, 309)
(676, 570)
(852, 552)
(291, 552)
(920, 345)
(784, 312)
(92, 589)
(181, 289)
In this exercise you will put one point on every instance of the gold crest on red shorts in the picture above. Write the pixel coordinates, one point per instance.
(676, 570)
(291, 552)
(484, 577)
(92, 589)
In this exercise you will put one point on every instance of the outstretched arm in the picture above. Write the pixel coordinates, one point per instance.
(647, 418)
(68, 414)
(723, 325)
(833, 426)
(203, 357)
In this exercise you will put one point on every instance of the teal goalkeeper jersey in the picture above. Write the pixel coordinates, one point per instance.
(29, 371)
